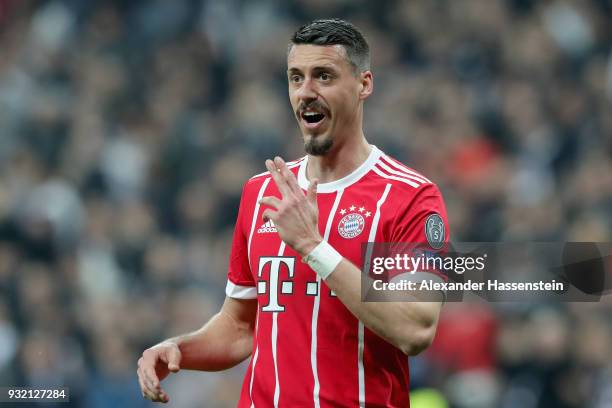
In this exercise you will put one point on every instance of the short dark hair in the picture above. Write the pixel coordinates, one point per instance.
(335, 31)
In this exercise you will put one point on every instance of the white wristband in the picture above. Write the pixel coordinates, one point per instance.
(323, 259)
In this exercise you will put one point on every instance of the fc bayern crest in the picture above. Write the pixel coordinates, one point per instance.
(351, 225)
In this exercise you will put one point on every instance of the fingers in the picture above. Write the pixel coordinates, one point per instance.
(270, 201)
(311, 194)
(153, 360)
(150, 378)
(279, 180)
(268, 214)
(287, 175)
(163, 397)
(174, 359)
(287, 185)
(146, 371)
(147, 389)
(154, 390)
(283, 177)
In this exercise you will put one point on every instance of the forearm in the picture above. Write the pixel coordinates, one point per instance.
(223, 342)
(410, 326)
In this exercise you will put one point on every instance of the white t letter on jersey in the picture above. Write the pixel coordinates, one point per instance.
(286, 286)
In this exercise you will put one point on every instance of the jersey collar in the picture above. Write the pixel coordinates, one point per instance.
(345, 181)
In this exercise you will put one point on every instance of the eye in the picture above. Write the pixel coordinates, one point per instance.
(324, 76)
(295, 78)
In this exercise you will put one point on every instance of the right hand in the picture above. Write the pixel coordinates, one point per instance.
(155, 365)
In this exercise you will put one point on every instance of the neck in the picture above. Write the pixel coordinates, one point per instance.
(340, 161)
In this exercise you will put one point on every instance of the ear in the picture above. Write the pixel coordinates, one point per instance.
(366, 84)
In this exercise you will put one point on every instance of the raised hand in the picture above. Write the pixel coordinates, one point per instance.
(296, 215)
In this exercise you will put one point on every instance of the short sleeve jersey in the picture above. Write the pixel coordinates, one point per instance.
(309, 350)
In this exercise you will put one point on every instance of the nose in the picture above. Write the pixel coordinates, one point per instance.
(307, 92)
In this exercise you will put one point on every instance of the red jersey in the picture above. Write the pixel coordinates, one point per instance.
(309, 350)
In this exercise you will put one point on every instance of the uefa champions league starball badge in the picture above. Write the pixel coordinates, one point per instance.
(434, 231)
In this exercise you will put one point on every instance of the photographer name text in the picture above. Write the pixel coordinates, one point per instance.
(489, 285)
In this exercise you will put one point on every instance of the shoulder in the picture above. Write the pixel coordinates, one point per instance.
(405, 181)
(411, 195)
(413, 201)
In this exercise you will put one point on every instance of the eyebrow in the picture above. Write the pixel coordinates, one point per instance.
(318, 68)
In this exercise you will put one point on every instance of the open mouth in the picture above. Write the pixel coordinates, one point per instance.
(313, 118)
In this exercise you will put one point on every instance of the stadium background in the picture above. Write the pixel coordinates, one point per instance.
(128, 127)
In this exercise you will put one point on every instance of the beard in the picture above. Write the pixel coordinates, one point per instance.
(316, 147)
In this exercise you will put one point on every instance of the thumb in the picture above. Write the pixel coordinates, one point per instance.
(311, 194)
(174, 359)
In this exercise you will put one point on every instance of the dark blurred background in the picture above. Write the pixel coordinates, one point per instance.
(127, 129)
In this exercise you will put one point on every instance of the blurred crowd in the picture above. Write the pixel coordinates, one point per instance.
(127, 129)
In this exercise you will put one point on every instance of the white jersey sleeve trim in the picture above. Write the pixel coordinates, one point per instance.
(402, 179)
(404, 168)
(240, 292)
(399, 173)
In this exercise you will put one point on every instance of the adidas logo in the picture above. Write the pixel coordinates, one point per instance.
(267, 227)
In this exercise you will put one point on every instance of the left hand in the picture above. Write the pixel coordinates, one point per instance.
(297, 215)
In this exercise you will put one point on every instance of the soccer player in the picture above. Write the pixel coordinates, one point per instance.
(294, 283)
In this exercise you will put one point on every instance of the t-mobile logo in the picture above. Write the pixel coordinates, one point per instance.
(286, 286)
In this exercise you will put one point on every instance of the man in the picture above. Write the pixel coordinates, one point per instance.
(294, 283)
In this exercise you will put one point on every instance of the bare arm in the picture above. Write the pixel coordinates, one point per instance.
(410, 326)
(224, 341)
